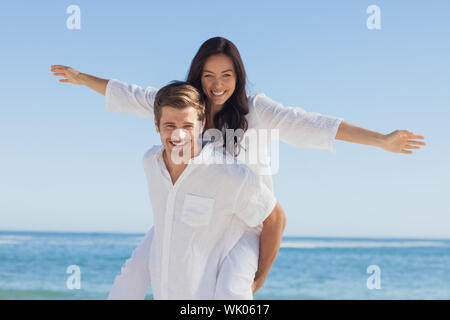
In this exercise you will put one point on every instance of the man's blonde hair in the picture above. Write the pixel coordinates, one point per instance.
(179, 95)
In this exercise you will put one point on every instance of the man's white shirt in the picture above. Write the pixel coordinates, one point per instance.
(294, 126)
(199, 219)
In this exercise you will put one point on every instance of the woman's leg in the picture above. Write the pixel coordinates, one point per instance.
(134, 279)
(237, 273)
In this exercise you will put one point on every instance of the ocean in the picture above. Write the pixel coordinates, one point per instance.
(47, 265)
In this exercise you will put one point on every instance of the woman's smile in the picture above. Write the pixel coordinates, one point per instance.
(219, 93)
(218, 79)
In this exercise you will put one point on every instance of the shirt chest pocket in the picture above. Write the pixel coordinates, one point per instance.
(197, 210)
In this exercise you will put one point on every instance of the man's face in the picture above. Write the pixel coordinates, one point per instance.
(179, 130)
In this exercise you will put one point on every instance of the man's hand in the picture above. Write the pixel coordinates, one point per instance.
(272, 231)
(399, 140)
(70, 74)
(257, 284)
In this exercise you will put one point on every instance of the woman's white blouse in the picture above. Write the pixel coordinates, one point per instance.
(268, 123)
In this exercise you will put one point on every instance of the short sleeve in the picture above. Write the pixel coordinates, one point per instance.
(254, 200)
(296, 126)
(130, 98)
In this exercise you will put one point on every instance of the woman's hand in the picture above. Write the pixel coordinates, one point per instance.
(400, 140)
(75, 77)
(71, 75)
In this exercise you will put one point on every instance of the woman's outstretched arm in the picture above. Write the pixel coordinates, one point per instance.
(397, 141)
(314, 130)
(120, 97)
(73, 76)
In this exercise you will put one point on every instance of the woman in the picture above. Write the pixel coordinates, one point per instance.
(218, 72)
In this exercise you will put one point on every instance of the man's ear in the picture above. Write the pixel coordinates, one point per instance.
(156, 126)
(203, 124)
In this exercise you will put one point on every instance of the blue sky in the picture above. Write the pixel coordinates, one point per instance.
(69, 165)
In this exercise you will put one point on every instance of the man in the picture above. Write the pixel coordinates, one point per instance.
(201, 207)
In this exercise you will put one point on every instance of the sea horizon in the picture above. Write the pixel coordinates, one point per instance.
(315, 237)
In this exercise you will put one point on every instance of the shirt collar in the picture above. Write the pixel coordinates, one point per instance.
(205, 155)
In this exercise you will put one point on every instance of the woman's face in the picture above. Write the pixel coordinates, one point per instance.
(218, 79)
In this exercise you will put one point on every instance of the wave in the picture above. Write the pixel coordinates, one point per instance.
(92, 242)
(69, 240)
(14, 237)
(35, 294)
(9, 242)
(360, 244)
(42, 294)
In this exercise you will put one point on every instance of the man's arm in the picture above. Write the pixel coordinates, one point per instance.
(75, 77)
(273, 227)
(397, 141)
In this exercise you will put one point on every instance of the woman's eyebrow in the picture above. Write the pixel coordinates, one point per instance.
(228, 70)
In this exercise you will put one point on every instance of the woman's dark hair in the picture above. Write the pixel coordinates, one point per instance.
(232, 115)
